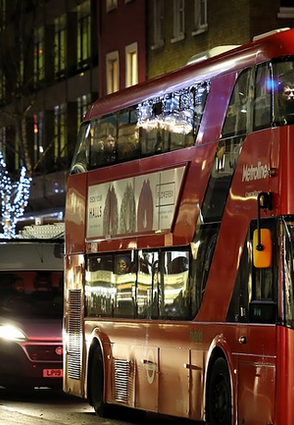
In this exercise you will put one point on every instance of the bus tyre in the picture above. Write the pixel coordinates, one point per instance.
(96, 384)
(218, 401)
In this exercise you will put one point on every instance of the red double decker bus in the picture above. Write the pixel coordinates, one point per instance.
(179, 279)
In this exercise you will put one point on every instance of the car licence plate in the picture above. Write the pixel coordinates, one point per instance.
(52, 373)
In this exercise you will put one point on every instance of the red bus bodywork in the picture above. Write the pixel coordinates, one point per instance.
(169, 362)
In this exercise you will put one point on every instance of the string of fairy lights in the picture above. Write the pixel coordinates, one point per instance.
(14, 198)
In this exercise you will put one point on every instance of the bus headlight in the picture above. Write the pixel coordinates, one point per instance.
(11, 333)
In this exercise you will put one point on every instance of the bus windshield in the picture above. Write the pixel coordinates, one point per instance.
(31, 294)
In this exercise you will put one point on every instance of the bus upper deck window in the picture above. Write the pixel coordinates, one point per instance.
(81, 155)
(263, 97)
(286, 102)
(238, 113)
(103, 144)
(284, 92)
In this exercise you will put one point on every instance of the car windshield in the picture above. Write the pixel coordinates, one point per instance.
(31, 294)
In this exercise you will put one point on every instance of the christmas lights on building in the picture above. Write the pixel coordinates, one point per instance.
(14, 198)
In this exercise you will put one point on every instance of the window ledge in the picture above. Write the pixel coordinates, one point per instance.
(111, 8)
(157, 45)
(179, 37)
(200, 30)
(286, 12)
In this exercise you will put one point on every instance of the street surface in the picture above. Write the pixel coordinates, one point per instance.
(45, 407)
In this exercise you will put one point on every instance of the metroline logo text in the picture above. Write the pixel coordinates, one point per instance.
(254, 172)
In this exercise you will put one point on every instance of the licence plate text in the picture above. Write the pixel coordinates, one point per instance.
(52, 373)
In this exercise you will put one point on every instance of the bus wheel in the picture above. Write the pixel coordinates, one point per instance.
(96, 384)
(218, 401)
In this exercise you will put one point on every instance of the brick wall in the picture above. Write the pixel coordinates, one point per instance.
(229, 22)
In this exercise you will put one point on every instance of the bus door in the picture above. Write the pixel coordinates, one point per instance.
(254, 306)
(73, 322)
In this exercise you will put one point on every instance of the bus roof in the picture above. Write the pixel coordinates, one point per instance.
(263, 47)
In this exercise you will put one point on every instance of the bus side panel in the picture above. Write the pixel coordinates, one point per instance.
(215, 109)
(194, 188)
(256, 390)
(239, 211)
(256, 352)
(146, 360)
(175, 401)
(286, 201)
(165, 376)
(285, 376)
(199, 171)
(76, 213)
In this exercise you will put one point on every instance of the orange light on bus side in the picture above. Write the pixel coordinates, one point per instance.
(262, 250)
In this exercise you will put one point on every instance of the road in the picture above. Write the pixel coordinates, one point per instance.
(45, 407)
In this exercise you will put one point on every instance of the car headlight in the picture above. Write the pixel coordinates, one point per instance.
(11, 333)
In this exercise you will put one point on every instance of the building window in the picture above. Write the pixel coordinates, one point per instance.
(111, 4)
(20, 76)
(2, 87)
(287, 3)
(179, 20)
(39, 56)
(60, 46)
(38, 137)
(3, 142)
(84, 35)
(112, 72)
(17, 155)
(84, 102)
(200, 16)
(131, 64)
(158, 23)
(2, 14)
(286, 10)
(59, 133)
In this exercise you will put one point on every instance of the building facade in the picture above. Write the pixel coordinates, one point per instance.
(122, 44)
(48, 79)
(179, 29)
